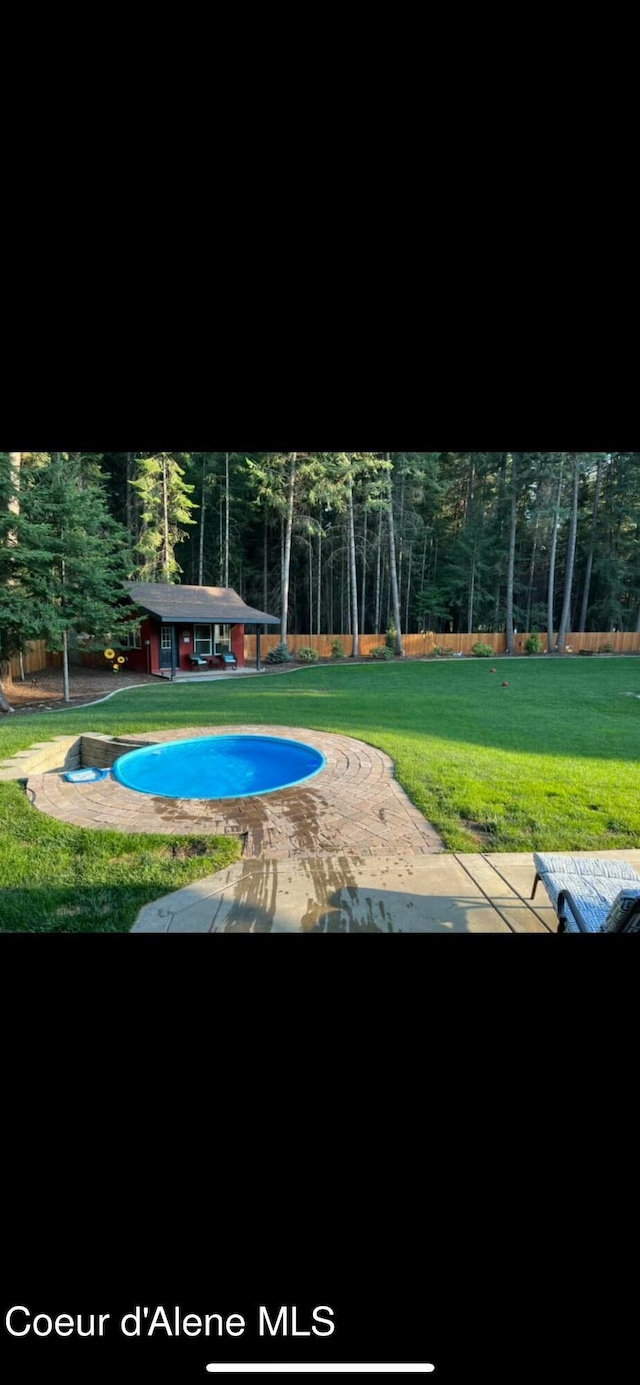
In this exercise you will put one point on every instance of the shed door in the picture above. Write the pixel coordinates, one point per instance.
(166, 647)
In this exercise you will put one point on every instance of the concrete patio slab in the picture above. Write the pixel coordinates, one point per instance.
(353, 894)
(350, 894)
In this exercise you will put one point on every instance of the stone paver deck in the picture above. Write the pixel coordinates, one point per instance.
(355, 805)
(351, 894)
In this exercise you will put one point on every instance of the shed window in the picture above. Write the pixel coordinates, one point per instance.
(202, 641)
(223, 639)
(167, 642)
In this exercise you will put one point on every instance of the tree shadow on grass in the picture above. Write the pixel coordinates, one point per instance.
(85, 909)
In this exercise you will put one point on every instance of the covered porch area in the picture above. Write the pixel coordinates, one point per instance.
(200, 675)
(192, 632)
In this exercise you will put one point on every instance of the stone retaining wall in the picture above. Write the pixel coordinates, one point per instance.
(68, 752)
(101, 752)
(62, 753)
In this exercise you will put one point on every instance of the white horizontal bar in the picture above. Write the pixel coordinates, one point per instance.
(359, 1368)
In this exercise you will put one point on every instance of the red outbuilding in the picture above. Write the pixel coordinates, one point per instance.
(190, 629)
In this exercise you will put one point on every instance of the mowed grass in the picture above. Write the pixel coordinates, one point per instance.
(549, 763)
(58, 879)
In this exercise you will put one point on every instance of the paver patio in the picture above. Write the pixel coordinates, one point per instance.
(355, 804)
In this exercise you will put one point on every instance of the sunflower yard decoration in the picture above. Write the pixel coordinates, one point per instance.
(109, 653)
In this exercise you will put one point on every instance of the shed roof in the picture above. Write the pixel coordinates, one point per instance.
(215, 605)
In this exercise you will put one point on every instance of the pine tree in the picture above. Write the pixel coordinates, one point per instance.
(165, 507)
(62, 577)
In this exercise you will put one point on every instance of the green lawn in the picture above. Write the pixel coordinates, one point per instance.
(551, 762)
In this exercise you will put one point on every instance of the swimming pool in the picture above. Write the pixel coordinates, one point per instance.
(219, 767)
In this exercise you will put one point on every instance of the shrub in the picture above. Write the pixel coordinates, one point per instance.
(307, 655)
(607, 649)
(534, 645)
(586, 653)
(337, 650)
(442, 651)
(392, 638)
(382, 652)
(483, 651)
(281, 655)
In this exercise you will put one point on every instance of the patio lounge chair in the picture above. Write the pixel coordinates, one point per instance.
(590, 895)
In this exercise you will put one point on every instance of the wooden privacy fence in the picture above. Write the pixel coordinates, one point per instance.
(421, 646)
(415, 646)
(36, 656)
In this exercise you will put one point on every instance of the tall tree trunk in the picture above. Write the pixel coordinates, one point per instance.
(347, 558)
(286, 574)
(395, 593)
(512, 553)
(468, 525)
(130, 492)
(552, 565)
(166, 558)
(408, 614)
(227, 521)
(265, 562)
(472, 590)
(311, 584)
(65, 633)
(378, 576)
(501, 490)
(319, 578)
(401, 532)
(355, 627)
(363, 595)
(386, 597)
(15, 462)
(571, 558)
(65, 665)
(582, 624)
(532, 572)
(331, 594)
(203, 511)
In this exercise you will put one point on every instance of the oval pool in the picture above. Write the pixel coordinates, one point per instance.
(219, 767)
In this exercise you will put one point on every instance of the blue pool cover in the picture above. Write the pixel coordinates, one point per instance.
(219, 767)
